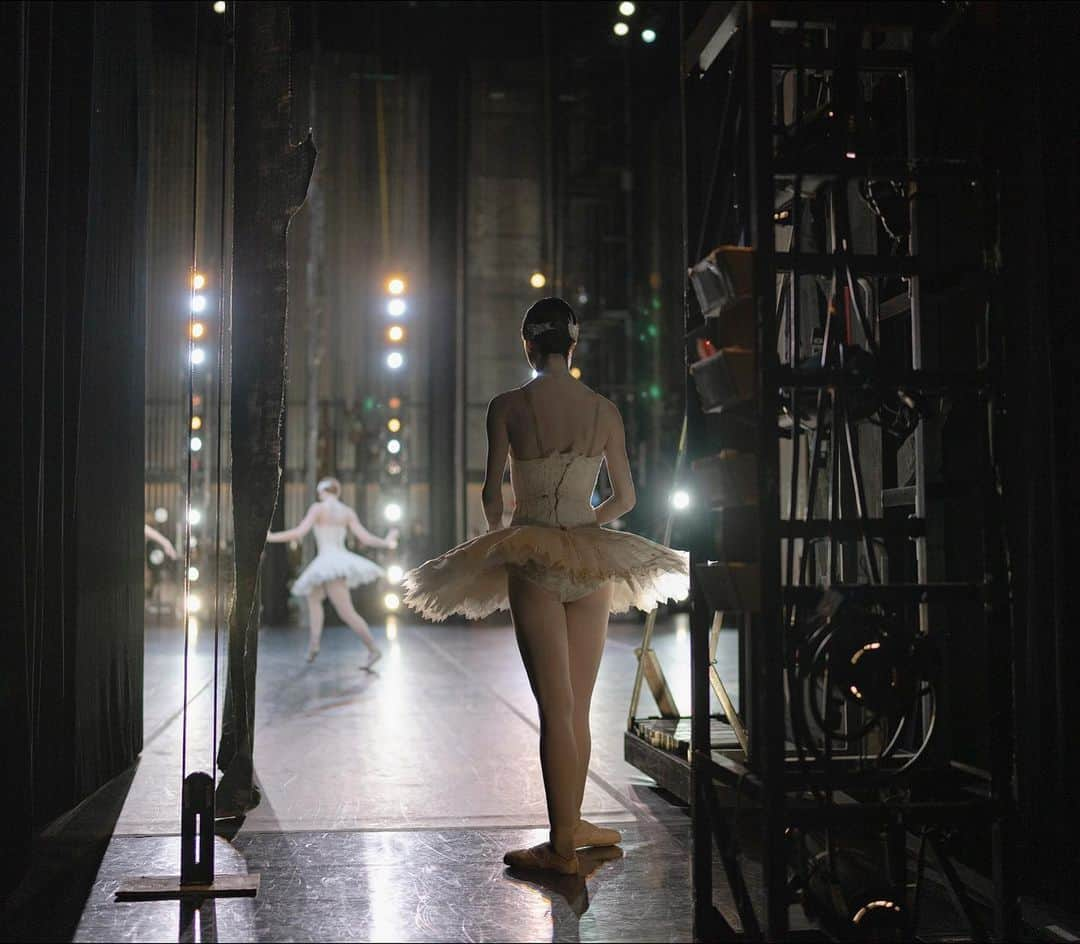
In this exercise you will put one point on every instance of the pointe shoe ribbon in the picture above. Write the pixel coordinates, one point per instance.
(542, 858)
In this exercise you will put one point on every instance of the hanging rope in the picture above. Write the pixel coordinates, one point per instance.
(191, 393)
(226, 61)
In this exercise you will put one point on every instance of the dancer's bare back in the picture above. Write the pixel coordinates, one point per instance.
(331, 512)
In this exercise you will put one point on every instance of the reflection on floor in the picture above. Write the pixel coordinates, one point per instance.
(389, 797)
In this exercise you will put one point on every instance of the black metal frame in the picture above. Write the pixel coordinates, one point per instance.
(773, 780)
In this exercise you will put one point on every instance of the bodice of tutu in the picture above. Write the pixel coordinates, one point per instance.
(329, 537)
(555, 490)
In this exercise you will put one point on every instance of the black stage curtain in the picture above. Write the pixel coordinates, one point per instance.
(1039, 125)
(72, 649)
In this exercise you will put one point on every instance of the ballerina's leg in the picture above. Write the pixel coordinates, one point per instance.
(315, 622)
(338, 591)
(586, 628)
(540, 627)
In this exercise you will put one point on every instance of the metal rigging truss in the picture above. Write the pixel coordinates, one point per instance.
(815, 419)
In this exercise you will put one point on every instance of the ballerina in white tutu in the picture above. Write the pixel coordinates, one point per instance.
(335, 570)
(558, 571)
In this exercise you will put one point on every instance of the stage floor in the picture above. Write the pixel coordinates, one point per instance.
(388, 797)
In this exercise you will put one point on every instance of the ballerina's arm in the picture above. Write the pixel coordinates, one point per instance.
(623, 497)
(498, 449)
(294, 534)
(366, 537)
(152, 534)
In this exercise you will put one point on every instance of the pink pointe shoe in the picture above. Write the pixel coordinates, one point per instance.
(542, 858)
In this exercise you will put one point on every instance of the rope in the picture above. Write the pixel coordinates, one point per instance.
(225, 63)
(191, 395)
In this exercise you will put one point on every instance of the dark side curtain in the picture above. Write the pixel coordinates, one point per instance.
(73, 424)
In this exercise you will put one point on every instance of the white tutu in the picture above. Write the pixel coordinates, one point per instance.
(333, 562)
(471, 579)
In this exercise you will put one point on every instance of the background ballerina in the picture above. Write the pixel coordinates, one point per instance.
(334, 571)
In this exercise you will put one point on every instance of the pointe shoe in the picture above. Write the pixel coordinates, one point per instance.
(372, 659)
(589, 834)
(311, 654)
(542, 858)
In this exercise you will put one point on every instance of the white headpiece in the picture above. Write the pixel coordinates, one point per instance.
(537, 328)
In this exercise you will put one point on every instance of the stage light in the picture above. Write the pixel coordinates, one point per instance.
(575, 372)
(680, 499)
(393, 424)
(194, 516)
(193, 573)
(392, 512)
(157, 555)
(535, 374)
(393, 446)
(393, 468)
(396, 286)
(395, 359)
(391, 601)
(583, 297)
(648, 35)
(394, 403)
(194, 604)
(198, 329)
(196, 422)
(193, 542)
(395, 308)
(219, 6)
(198, 280)
(621, 29)
(850, 155)
(538, 280)
(198, 355)
(626, 8)
(161, 515)
(196, 444)
(198, 303)
(394, 573)
(395, 334)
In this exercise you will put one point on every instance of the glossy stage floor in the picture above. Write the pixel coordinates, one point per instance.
(389, 797)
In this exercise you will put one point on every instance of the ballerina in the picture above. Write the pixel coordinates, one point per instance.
(335, 570)
(557, 570)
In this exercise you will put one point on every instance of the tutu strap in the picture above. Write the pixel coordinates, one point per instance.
(535, 419)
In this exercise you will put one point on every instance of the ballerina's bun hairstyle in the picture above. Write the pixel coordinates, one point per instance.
(550, 327)
(329, 484)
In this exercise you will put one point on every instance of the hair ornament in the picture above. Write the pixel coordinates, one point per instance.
(538, 328)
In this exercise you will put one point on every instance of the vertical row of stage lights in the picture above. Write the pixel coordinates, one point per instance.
(397, 309)
(621, 27)
(198, 303)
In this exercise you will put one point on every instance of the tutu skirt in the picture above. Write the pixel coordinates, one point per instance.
(471, 579)
(336, 564)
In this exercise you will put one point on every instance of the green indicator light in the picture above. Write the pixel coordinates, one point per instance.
(654, 391)
(653, 331)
